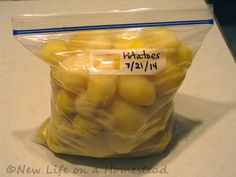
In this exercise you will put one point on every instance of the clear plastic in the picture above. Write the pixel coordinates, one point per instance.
(113, 76)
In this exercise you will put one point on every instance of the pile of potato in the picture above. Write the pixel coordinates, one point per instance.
(103, 115)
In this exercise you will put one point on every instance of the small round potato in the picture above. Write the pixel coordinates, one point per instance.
(84, 106)
(53, 51)
(137, 90)
(101, 88)
(65, 102)
(95, 39)
(95, 145)
(85, 126)
(169, 79)
(54, 136)
(161, 38)
(126, 118)
(137, 42)
(42, 132)
(184, 56)
(72, 73)
(119, 144)
(128, 38)
(107, 62)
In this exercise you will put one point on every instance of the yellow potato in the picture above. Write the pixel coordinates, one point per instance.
(54, 146)
(55, 84)
(56, 88)
(184, 56)
(154, 145)
(158, 120)
(118, 144)
(65, 102)
(94, 39)
(96, 145)
(128, 38)
(162, 113)
(137, 42)
(72, 73)
(170, 66)
(163, 141)
(169, 79)
(136, 90)
(54, 137)
(107, 61)
(43, 131)
(85, 126)
(157, 142)
(101, 88)
(62, 119)
(53, 51)
(126, 118)
(84, 106)
(161, 38)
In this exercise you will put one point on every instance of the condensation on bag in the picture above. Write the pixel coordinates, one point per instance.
(113, 88)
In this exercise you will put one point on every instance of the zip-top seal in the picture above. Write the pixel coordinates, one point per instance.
(112, 26)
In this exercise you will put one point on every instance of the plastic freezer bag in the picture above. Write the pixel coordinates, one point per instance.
(113, 76)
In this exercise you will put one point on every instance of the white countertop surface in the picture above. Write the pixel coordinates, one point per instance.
(205, 142)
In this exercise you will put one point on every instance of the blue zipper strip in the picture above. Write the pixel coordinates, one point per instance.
(112, 26)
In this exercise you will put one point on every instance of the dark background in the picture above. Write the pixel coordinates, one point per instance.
(225, 14)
